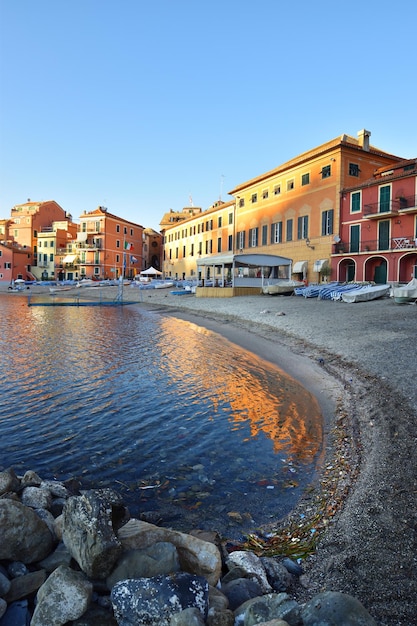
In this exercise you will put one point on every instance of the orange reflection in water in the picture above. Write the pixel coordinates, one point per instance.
(262, 397)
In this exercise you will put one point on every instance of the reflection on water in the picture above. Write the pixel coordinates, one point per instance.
(172, 415)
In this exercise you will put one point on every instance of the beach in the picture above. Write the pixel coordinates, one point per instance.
(359, 361)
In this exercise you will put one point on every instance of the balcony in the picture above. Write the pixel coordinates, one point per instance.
(395, 244)
(378, 210)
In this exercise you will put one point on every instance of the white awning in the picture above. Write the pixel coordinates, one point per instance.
(319, 264)
(299, 267)
(82, 236)
(253, 260)
(70, 258)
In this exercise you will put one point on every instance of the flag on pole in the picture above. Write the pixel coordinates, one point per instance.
(128, 246)
(133, 259)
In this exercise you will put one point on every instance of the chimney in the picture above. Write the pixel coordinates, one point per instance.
(363, 138)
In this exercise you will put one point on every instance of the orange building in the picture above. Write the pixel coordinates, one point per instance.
(293, 210)
(107, 246)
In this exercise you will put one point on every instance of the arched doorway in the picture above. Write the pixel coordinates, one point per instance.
(347, 270)
(376, 270)
(407, 267)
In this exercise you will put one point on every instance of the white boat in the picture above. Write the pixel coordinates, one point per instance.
(281, 287)
(59, 288)
(366, 293)
(162, 284)
(406, 293)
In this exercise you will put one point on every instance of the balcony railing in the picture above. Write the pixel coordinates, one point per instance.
(395, 244)
(389, 208)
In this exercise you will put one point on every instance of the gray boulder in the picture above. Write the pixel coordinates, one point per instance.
(87, 531)
(333, 608)
(24, 536)
(154, 601)
(64, 596)
(195, 555)
(252, 565)
(159, 559)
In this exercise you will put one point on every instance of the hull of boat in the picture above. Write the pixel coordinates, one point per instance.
(284, 288)
(365, 294)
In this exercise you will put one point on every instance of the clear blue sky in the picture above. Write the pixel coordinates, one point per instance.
(138, 105)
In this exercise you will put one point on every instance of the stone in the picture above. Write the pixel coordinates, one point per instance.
(222, 617)
(87, 531)
(96, 616)
(65, 596)
(16, 614)
(60, 556)
(278, 575)
(23, 586)
(3, 607)
(217, 599)
(154, 601)
(240, 590)
(48, 518)
(8, 481)
(333, 608)
(195, 555)
(31, 479)
(252, 565)
(36, 497)
(273, 606)
(25, 537)
(188, 617)
(4, 584)
(16, 569)
(55, 488)
(160, 558)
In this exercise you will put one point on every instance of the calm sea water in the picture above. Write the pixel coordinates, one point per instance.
(171, 415)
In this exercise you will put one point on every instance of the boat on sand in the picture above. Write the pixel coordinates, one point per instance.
(366, 293)
(406, 293)
(281, 287)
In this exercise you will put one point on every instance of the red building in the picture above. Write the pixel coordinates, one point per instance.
(378, 227)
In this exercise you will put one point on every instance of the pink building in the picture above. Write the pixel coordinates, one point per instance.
(377, 240)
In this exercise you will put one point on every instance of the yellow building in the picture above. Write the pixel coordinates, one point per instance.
(291, 211)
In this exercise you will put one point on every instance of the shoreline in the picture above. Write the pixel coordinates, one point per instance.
(360, 361)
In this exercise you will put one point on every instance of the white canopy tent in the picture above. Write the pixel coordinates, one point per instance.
(267, 265)
(151, 271)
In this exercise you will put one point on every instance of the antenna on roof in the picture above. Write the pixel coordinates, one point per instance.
(221, 187)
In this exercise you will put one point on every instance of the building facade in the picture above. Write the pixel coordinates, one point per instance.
(378, 227)
(107, 246)
(291, 211)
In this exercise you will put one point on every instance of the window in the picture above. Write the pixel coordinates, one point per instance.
(384, 199)
(253, 234)
(219, 244)
(277, 190)
(184, 252)
(290, 184)
(354, 238)
(354, 169)
(241, 202)
(51, 258)
(327, 222)
(276, 232)
(305, 179)
(265, 194)
(200, 248)
(302, 227)
(230, 243)
(192, 250)
(289, 230)
(117, 228)
(230, 218)
(219, 222)
(326, 171)
(125, 230)
(241, 240)
(118, 243)
(355, 202)
(264, 234)
(254, 198)
(7, 265)
(51, 244)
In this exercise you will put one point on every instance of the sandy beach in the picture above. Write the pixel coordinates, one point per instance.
(359, 360)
